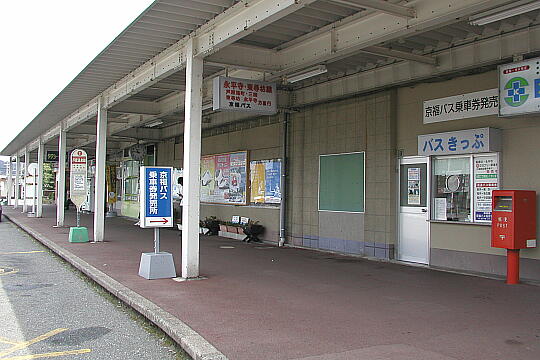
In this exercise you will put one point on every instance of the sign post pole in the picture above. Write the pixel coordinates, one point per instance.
(156, 240)
(77, 192)
(156, 212)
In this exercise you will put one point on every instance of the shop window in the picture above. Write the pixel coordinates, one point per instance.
(462, 187)
(131, 180)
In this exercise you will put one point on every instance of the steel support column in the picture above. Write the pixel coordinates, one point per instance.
(61, 199)
(39, 207)
(192, 159)
(25, 175)
(9, 181)
(17, 171)
(101, 150)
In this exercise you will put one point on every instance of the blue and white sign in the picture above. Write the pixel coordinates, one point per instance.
(469, 141)
(519, 87)
(156, 196)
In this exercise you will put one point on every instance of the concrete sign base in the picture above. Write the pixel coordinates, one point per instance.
(78, 235)
(157, 266)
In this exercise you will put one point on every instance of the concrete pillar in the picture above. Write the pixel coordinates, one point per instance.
(192, 159)
(17, 173)
(39, 207)
(61, 199)
(25, 174)
(9, 181)
(100, 185)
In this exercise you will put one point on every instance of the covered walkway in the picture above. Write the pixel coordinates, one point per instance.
(265, 302)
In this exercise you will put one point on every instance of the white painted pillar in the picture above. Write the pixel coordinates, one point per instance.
(9, 181)
(101, 149)
(39, 207)
(25, 174)
(61, 198)
(192, 160)
(17, 174)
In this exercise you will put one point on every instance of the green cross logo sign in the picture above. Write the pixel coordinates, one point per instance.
(516, 91)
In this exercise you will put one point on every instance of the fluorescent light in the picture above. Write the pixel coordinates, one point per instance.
(154, 123)
(306, 74)
(504, 13)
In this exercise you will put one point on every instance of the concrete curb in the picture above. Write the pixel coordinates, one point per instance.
(191, 341)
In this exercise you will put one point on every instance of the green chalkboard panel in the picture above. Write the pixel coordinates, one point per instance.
(341, 182)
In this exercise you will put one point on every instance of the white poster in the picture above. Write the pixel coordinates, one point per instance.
(413, 186)
(479, 103)
(440, 209)
(486, 179)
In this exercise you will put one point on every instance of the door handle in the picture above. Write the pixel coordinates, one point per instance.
(424, 210)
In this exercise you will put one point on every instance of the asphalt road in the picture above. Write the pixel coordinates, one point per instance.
(48, 309)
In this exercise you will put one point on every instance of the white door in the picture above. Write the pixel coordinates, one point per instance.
(414, 192)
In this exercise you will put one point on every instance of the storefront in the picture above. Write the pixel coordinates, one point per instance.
(451, 131)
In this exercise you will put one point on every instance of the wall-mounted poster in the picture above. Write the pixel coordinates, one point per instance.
(413, 183)
(265, 181)
(224, 178)
(486, 179)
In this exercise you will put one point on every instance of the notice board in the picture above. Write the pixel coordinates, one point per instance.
(224, 178)
(342, 182)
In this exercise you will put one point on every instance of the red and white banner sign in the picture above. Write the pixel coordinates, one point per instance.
(245, 95)
(78, 174)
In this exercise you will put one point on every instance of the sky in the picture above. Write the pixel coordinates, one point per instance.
(45, 44)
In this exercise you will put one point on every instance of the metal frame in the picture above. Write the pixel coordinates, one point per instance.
(407, 160)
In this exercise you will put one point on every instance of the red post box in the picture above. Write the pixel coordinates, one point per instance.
(513, 226)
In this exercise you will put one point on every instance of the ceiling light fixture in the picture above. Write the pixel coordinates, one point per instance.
(306, 74)
(504, 12)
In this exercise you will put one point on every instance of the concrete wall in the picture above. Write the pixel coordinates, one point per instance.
(359, 124)
(262, 137)
(468, 246)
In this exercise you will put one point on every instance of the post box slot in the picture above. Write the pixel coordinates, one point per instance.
(503, 203)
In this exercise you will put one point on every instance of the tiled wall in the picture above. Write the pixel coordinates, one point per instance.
(359, 124)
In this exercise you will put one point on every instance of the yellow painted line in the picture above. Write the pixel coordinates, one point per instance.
(51, 354)
(25, 344)
(7, 341)
(22, 252)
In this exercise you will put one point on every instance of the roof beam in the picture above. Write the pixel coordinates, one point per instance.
(136, 107)
(380, 5)
(400, 55)
(371, 30)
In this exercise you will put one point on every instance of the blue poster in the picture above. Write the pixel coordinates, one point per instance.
(157, 197)
(273, 182)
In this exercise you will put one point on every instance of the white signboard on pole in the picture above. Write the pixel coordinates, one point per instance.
(479, 103)
(78, 174)
(519, 87)
(245, 95)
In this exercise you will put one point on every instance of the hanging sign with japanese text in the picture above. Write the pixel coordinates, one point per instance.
(486, 179)
(519, 87)
(463, 106)
(78, 173)
(469, 141)
(156, 197)
(253, 96)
